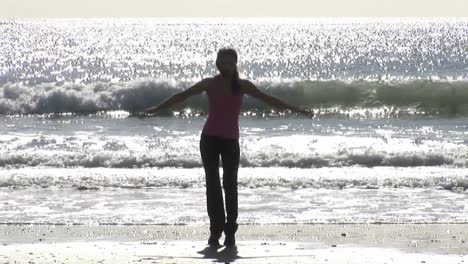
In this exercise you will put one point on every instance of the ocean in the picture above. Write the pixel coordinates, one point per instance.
(388, 144)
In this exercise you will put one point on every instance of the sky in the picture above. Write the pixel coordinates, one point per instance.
(232, 8)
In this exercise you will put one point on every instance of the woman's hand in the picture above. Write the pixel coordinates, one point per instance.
(139, 114)
(306, 112)
(151, 110)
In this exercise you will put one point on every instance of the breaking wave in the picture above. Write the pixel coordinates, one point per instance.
(326, 97)
(174, 160)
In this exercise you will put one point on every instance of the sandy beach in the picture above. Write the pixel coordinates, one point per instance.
(327, 243)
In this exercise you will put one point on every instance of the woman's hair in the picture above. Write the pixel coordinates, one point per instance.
(235, 83)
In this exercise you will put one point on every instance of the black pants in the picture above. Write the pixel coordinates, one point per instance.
(211, 148)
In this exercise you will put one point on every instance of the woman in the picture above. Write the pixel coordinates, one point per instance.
(220, 136)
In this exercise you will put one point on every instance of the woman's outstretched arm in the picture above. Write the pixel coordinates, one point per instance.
(252, 90)
(177, 98)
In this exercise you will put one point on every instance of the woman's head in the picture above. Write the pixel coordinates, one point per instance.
(226, 62)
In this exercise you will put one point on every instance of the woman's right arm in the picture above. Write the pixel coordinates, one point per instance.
(197, 88)
(252, 90)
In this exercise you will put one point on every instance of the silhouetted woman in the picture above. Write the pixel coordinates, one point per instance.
(220, 136)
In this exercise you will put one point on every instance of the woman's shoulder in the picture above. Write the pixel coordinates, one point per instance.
(246, 85)
(245, 82)
(208, 80)
(207, 83)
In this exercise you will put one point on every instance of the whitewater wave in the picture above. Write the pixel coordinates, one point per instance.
(326, 97)
(162, 149)
(451, 179)
(292, 160)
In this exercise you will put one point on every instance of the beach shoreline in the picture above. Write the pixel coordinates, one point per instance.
(184, 242)
(435, 238)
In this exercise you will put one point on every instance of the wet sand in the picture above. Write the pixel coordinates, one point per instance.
(318, 243)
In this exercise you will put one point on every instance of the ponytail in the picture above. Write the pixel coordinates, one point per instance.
(235, 84)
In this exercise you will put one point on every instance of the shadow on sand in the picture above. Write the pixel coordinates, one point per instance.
(225, 255)
(221, 255)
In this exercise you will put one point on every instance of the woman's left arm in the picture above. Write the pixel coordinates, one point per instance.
(252, 90)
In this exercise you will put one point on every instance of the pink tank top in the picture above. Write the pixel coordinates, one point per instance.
(223, 112)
